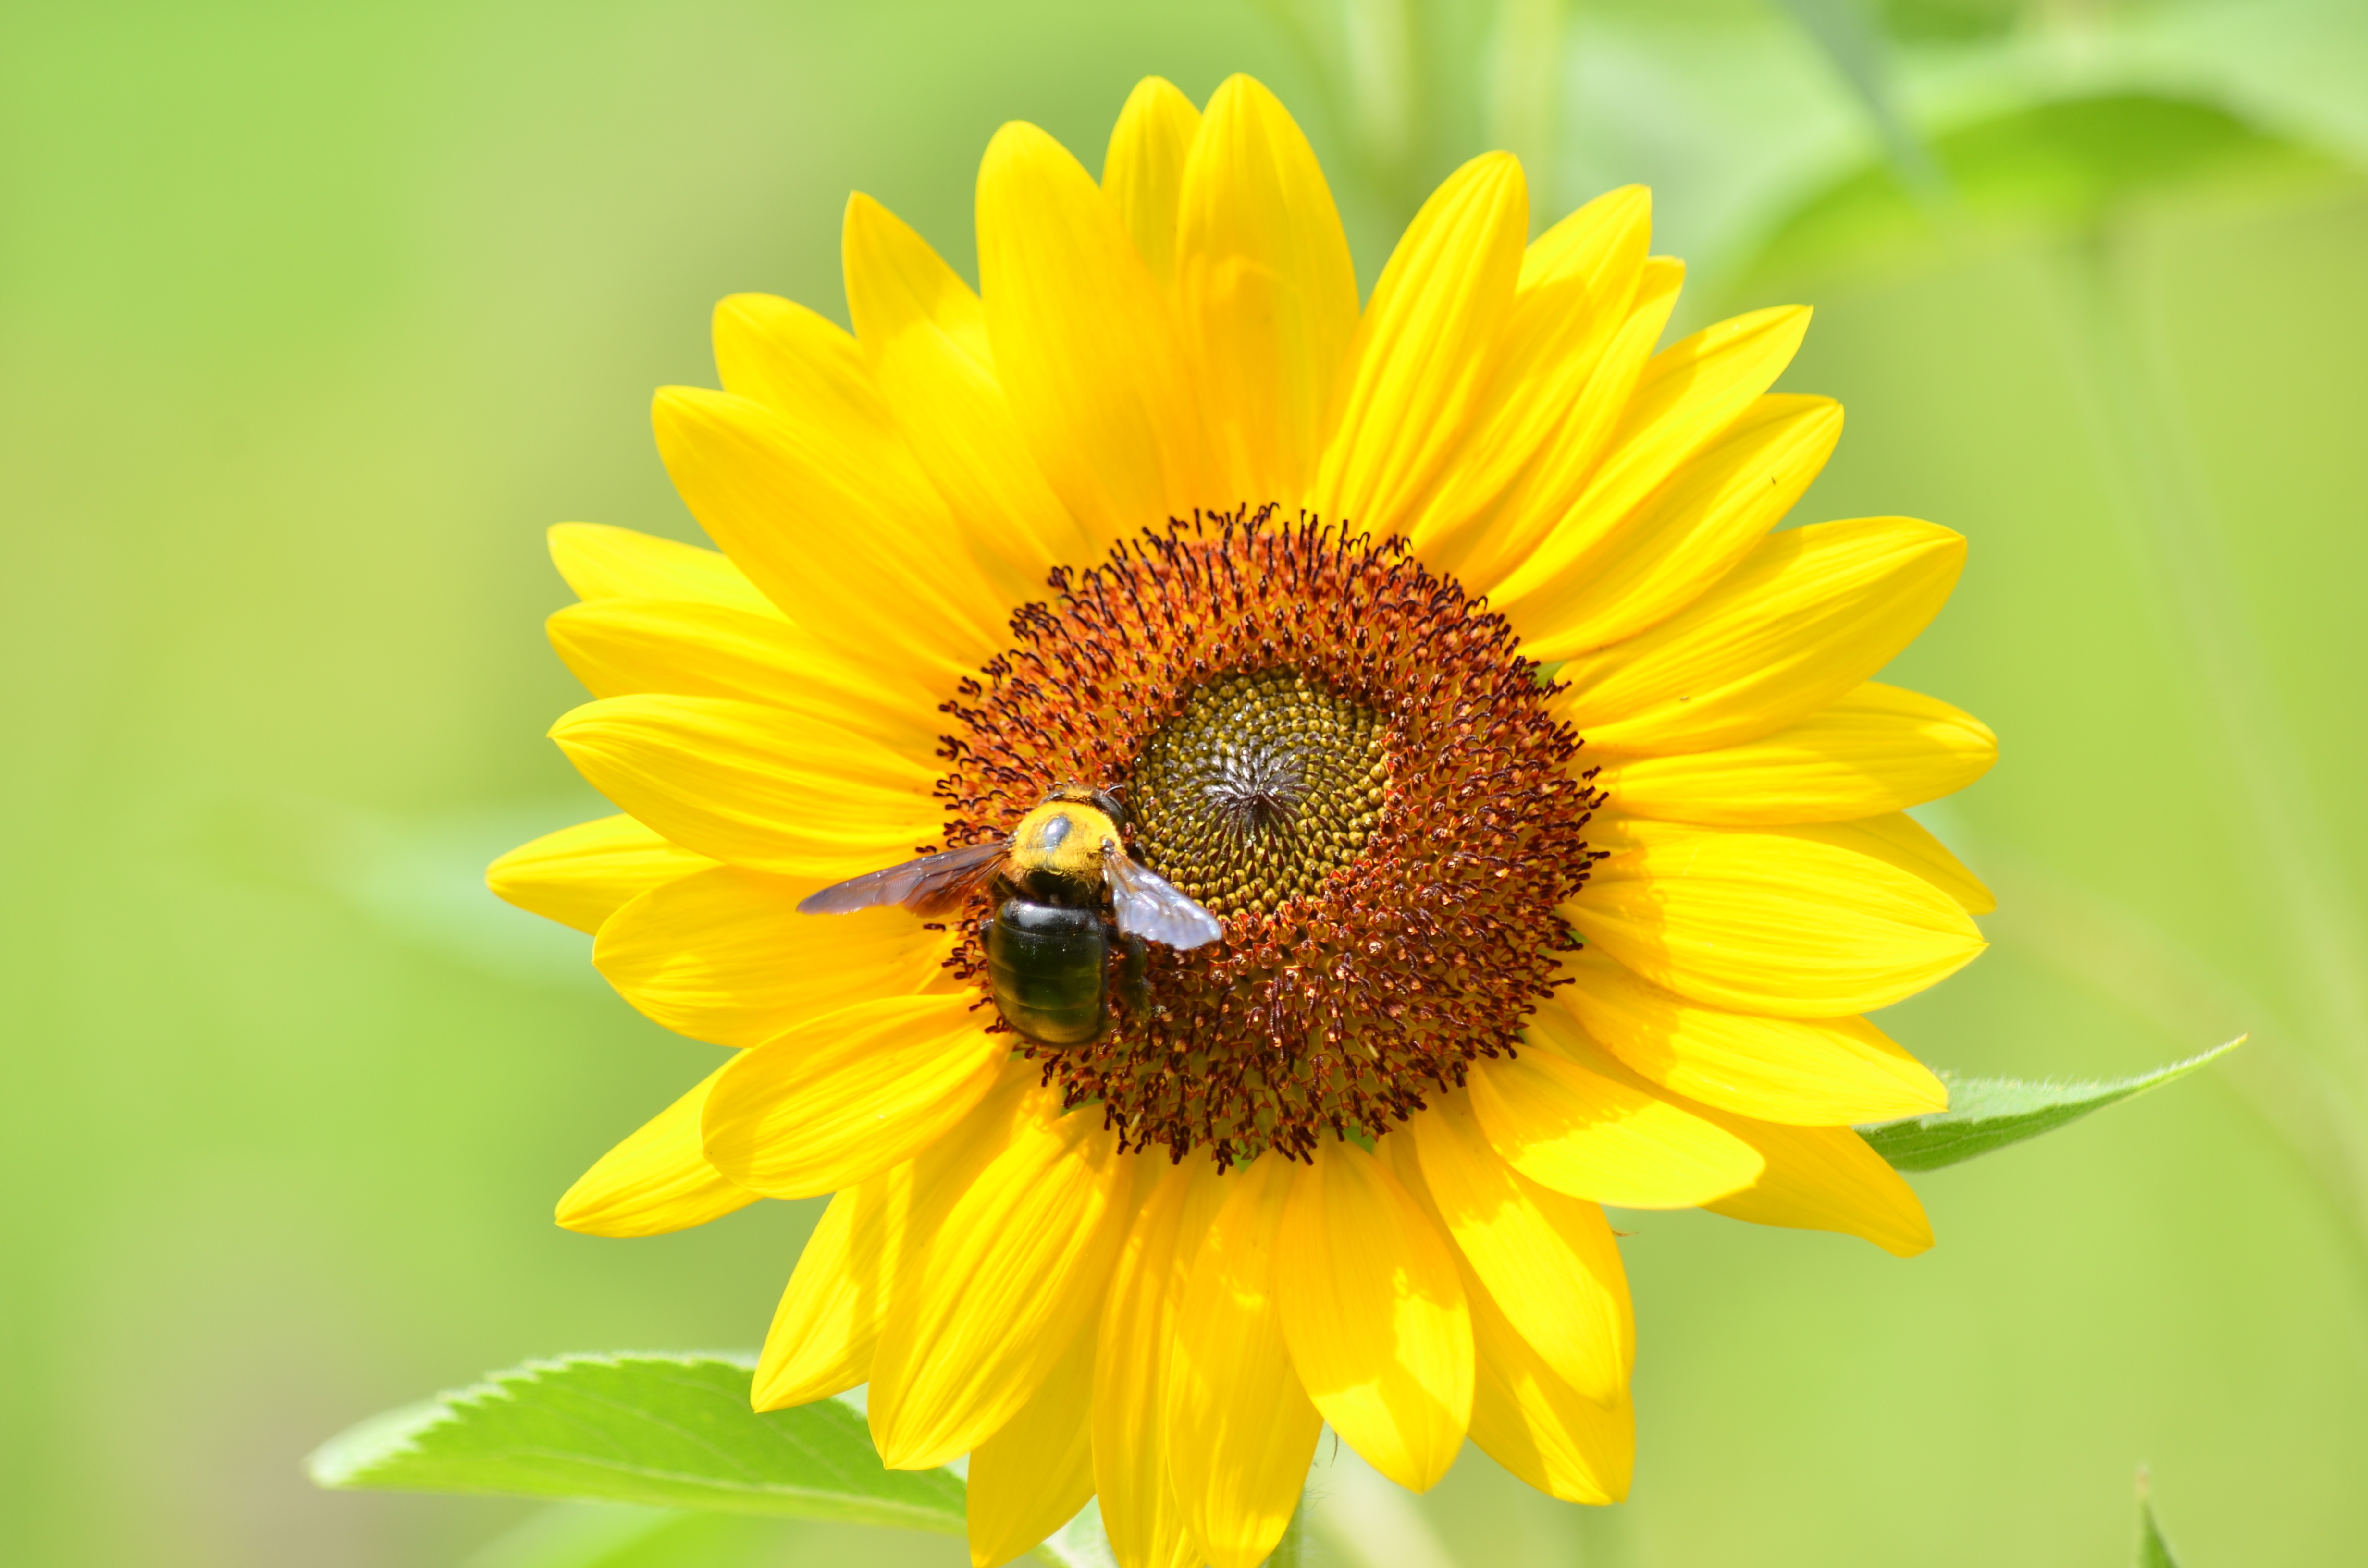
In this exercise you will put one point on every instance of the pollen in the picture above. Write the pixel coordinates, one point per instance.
(1343, 757)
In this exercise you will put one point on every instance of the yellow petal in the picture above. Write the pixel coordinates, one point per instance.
(1596, 239)
(923, 333)
(850, 1094)
(743, 783)
(1037, 1471)
(1171, 1546)
(1569, 1117)
(1264, 289)
(724, 955)
(655, 1181)
(621, 647)
(1240, 1429)
(828, 1320)
(1902, 841)
(1550, 1261)
(1538, 1426)
(1490, 547)
(1138, 1326)
(1873, 750)
(1524, 1416)
(827, 512)
(1143, 171)
(1578, 282)
(1084, 343)
(781, 354)
(1422, 352)
(1688, 393)
(1825, 1178)
(603, 562)
(872, 1235)
(1809, 614)
(1685, 536)
(1015, 1274)
(581, 875)
(1374, 1316)
(1770, 922)
(903, 297)
(1811, 1071)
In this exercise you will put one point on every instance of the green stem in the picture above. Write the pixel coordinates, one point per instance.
(2177, 545)
(1853, 43)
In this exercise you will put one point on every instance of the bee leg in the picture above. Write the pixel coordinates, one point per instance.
(1133, 982)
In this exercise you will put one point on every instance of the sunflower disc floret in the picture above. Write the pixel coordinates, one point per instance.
(1342, 755)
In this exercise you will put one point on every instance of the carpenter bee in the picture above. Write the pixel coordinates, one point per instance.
(1065, 879)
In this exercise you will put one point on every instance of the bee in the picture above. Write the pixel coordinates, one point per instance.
(1065, 881)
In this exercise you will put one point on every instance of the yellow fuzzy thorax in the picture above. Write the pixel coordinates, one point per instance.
(1062, 838)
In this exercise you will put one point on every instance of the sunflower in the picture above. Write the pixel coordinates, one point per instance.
(1442, 648)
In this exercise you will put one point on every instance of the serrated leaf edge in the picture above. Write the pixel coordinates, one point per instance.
(2082, 1098)
(346, 1461)
(343, 1462)
(393, 1434)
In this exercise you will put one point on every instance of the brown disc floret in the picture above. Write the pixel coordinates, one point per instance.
(1346, 759)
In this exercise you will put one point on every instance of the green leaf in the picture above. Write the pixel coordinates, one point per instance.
(662, 1431)
(2153, 1551)
(2062, 166)
(1990, 1113)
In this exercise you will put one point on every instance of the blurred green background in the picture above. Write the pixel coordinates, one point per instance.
(312, 317)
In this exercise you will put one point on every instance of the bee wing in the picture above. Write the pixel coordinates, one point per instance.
(1147, 904)
(934, 884)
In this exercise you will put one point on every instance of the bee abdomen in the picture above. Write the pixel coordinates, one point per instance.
(1047, 964)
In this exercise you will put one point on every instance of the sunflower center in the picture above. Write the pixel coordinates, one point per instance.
(1343, 757)
(1263, 786)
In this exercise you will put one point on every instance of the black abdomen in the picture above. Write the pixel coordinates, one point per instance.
(1046, 964)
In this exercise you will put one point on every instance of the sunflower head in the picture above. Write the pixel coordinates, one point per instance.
(1442, 645)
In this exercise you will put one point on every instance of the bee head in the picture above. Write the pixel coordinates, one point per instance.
(1103, 800)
